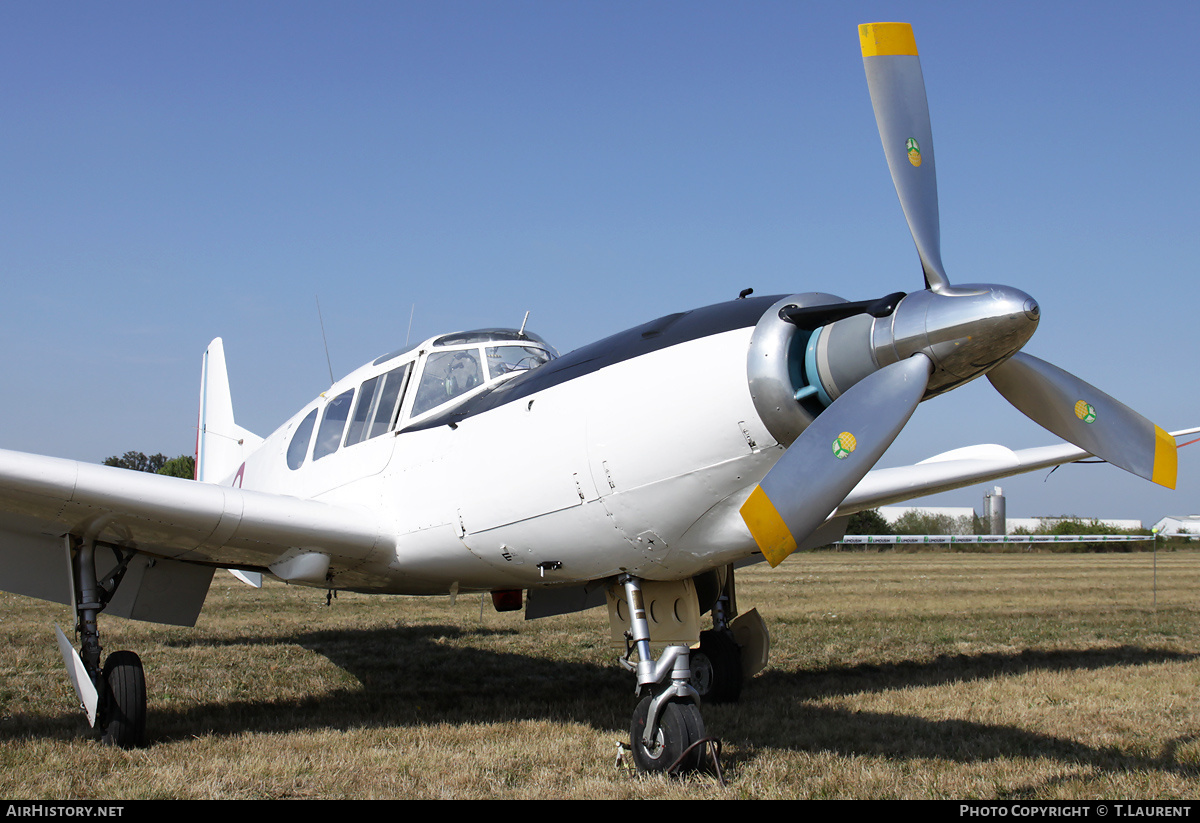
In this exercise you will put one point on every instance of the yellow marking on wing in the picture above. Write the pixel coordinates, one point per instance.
(1166, 460)
(879, 39)
(767, 527)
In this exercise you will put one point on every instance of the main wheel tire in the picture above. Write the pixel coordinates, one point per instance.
(678, 728)
(717, 668)
(123, 716)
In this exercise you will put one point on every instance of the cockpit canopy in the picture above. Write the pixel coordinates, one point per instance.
(460, 366)
(380, 400)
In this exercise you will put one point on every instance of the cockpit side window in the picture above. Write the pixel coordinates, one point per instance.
(503, 360)
(329, 436)
(447, 374)
(298, 447)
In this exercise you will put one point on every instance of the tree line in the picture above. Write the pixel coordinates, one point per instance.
(182, 466)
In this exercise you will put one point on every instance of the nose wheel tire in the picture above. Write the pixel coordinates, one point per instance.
(678, 728)
(122, 720)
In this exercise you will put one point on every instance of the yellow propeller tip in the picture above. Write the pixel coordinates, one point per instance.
(1166, 459)
(881, 39)
(767, 527)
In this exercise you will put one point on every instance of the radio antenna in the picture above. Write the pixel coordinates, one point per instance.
(521, 333)
(408, 333)
(325, 340)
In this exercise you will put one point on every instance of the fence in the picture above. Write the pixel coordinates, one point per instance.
(860, 539)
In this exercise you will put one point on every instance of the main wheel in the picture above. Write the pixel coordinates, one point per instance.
(678, 728)
(717, 668)
(123, 714)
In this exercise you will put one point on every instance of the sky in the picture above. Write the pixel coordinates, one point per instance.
(175, 172)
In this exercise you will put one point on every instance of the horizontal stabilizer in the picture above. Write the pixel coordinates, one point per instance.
(249, 578)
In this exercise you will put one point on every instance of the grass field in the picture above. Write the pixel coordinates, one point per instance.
(931, 675)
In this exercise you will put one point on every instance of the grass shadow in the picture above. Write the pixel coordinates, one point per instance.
(432, 674)
(427, 674)
(798, 723)
(809, 684)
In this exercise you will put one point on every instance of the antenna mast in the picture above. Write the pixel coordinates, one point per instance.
(324, 340)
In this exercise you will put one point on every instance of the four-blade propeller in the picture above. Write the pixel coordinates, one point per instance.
(835, 452)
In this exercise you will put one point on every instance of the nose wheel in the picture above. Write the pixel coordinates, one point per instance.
(671, 741)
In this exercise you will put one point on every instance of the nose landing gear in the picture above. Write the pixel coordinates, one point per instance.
(667, 731)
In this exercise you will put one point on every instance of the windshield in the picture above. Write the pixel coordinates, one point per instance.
(451, 374)
(447, 374)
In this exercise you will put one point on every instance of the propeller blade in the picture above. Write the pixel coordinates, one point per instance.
(902, 113)
(1082, 414)
(833, 454)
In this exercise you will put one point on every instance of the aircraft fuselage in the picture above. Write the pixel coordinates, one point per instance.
(591, 464)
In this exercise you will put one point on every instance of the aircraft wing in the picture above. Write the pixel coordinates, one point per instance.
(180, 529)
(957, 469)
(952, 470)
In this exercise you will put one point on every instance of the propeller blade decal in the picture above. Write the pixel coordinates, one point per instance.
(833, 454)
(1082, 414)
(902, 113)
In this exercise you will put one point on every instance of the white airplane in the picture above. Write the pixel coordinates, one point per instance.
(638, 471)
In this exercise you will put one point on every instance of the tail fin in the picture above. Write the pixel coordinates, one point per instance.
(221, 445)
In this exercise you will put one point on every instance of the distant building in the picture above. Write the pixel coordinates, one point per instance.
(1179, 524)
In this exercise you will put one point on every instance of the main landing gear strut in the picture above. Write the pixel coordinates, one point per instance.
(666, 726)
(717, 665)
(114, 695)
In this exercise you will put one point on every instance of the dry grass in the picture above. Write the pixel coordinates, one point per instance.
(893, 675)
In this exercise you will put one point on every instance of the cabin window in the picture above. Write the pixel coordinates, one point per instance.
(362, 411)
(447, 374)
(376, 409)
(389, 399)
(298, 448)
(329, 436)
(503, 360)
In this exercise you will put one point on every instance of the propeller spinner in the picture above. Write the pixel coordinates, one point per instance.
(933, 340)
